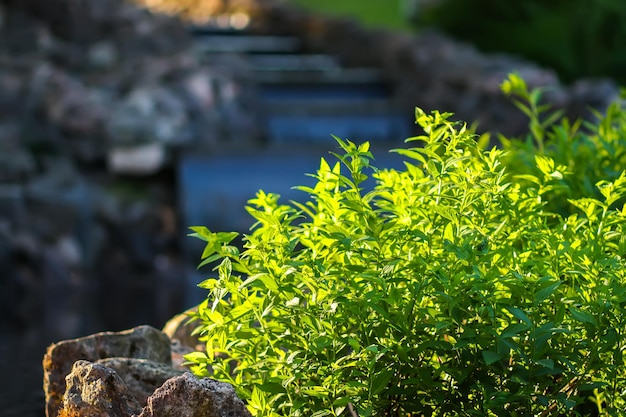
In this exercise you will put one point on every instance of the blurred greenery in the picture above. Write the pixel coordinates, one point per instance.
(577, 38)
(374, 13)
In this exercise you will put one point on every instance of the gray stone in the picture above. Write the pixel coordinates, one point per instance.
(187, 396)
(142, 376)
(148, 114)
(11, 203)
(103, 55)
(139, 160)
(16, 164)
(94, 390)
(142, 342)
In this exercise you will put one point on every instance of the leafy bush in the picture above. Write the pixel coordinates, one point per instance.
(449, 289)
(582, 153)
(578, 38)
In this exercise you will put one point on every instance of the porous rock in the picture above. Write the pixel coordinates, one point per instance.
(143, 342)
(96, 391)
(142, 376)
(187, 396)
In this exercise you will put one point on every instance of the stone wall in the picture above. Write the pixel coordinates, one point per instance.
(90, 122)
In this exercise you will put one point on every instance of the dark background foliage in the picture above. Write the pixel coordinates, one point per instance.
(578, 38)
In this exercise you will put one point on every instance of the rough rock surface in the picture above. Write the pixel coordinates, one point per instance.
(142, 376)
(119, 384)
(186, 396)
(93, 390)
(143, 342)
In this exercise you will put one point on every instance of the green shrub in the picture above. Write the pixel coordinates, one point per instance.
(449, 289)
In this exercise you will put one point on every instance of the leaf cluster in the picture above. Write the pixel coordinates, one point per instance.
(575, 159)
(452, 288)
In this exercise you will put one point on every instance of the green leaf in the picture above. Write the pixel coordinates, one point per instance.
(490, 357)
(380, 381)
(465, 274)
(520, 315)
(582, 316)
(446, 212)
(201, 232)
(225, 269)
(513, 330)
(197, 357)
(545, 164)
(215, 317)
(267, 279)
(448, 232)
(546, 363)
(545, 292)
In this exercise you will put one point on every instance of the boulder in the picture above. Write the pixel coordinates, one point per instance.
(104, 375)
(94, 390)
(187, 396)
(117, 387)
(143, 342)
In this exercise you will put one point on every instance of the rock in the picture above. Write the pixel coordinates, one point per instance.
(141, 376)
(103, 55)
(106, 376)
(180, 327)
(187, 396)
(94, 390)
(148, 114)
(11, 204)
(591, 93)
(16, 165)
(143, 342)
(76, 108)
(140, 160)
(69, 251)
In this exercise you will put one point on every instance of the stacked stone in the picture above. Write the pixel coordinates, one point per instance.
(126, 374)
